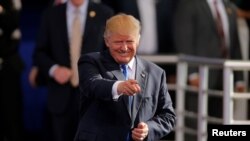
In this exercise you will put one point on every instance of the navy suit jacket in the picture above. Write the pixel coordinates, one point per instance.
(52, 47)
(103, 118)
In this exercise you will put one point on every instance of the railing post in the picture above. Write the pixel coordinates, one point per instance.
(202, 103)
(183, 61)
(180, 100)
(228, 88)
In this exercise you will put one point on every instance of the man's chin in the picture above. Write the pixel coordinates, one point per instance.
(123, 61)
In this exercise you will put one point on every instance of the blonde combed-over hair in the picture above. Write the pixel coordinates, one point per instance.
(122, 24)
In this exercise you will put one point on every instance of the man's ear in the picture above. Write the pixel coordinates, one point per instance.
(138, 39)
(107, 42)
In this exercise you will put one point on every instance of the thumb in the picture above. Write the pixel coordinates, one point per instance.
(141, 125)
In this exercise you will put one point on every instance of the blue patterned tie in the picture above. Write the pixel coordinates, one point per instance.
(125, 71)
(130, 98)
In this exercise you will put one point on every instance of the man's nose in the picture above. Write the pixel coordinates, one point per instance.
(124, 46)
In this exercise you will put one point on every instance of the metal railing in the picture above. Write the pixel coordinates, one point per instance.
(229, 96)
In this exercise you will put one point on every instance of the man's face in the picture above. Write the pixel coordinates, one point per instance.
(122, 47)
(77, 2)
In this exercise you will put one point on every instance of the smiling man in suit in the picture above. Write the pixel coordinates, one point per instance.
(76, 24)
(115, 107)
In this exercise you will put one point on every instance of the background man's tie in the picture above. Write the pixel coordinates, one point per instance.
(75, 47)
(220, 31)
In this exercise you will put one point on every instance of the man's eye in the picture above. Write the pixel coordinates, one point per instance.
(129, 42)
(118, 42)
(123, 42)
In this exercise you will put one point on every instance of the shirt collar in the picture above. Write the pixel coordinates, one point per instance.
(131, 63)
(82, 8)
(211, 1)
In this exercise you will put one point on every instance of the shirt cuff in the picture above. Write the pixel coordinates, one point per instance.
(240, 84)
(193, 76)
(114, 91)
(52, 69)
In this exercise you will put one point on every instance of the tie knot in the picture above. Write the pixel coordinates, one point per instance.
(124, 70)
(215, 2)
(76, 11)
(123, 66)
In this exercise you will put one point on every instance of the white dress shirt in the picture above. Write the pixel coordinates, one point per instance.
(70, 17)
(225, 22)
(131, 75)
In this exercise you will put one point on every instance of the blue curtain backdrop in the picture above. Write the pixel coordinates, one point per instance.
(34, 99)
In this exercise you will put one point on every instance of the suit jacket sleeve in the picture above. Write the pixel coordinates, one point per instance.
(163, 121)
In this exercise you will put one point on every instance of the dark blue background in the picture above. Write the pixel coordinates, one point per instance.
(34, 99)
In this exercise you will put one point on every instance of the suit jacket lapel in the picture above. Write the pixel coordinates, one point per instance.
(62, 23)
(141, 76)
(117, 72)
(208, 14)
(230, 17)
(90, 21)
(119, 76)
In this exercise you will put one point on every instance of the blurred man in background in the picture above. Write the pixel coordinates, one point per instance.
(67, 30)
(207, 28)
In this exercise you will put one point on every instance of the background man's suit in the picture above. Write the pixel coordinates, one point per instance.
(196, 34)
(107, 119)
(59, 46)
(53, 48)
